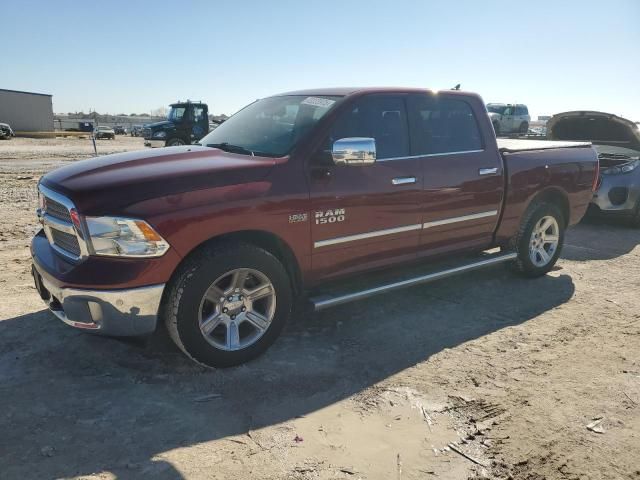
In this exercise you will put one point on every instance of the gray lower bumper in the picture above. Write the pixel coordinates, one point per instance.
(618, 194)
(108, 312)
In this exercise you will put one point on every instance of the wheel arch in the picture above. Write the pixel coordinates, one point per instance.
(268, 241)
(555, 196)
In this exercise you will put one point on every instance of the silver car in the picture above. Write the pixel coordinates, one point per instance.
(617, 141)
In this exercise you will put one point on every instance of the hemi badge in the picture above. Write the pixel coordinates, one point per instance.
(298, 217)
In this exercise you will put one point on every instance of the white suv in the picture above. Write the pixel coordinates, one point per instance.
(509, 117)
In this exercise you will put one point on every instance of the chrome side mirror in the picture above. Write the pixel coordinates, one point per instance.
(354, 151)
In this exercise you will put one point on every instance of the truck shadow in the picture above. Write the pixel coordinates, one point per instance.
(75, 404)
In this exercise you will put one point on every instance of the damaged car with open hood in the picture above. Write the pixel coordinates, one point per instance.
(617, 141)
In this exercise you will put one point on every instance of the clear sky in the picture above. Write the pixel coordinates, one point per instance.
(131, 56)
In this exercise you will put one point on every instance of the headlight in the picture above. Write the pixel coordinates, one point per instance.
(124, 237)
(625, 168)
(160, 134)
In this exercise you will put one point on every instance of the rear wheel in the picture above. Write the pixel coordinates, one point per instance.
(228, 304)
(539, 240)
(174, 142)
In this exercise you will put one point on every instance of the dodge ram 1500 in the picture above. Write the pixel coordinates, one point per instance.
(294, 193)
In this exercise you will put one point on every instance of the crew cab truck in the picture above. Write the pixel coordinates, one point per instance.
(186, 123)
(290, 195)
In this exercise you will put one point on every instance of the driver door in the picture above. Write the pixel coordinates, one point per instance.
(366, 216)
(199, 122)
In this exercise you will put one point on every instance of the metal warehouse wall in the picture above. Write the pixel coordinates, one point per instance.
(25, 111)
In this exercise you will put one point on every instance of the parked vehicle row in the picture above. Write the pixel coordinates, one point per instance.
(290, 195)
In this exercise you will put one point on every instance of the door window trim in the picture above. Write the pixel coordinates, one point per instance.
(430, 155)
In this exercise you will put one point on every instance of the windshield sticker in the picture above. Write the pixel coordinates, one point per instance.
(318, 102)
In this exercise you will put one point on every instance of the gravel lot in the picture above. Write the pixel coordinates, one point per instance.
(507, 371)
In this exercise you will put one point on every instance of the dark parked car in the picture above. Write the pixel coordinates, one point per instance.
(186, 123)
(136, 130)
(104, 132)
(617, 141)
(289, 195)
(119, 130)
(5, 131)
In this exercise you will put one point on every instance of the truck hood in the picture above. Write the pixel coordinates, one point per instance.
(597, 127)
(159, 125)
(107, 184)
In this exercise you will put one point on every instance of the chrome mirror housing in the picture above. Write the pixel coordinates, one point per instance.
(354, 151)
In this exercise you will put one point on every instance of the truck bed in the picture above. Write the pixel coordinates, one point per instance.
(511, 145)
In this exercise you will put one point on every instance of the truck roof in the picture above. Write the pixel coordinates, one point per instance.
(345, 91)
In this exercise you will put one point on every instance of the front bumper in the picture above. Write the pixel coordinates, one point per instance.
(126, 312)
(154, 143)
(617, 194)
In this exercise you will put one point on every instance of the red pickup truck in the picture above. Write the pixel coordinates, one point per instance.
(296, 192)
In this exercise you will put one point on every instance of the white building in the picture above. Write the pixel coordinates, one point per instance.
(26, 111)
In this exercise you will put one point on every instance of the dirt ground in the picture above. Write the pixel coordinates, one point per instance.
(482, 376)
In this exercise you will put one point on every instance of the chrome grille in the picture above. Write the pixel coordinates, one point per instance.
(57, 210)
(66, 241)
(58, 225)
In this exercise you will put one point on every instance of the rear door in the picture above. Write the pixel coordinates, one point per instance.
(508, 120)
(369, 215)
(463, 182)
(522, 115)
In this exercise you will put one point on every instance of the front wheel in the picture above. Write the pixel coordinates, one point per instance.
(174, 142)
(228, 304)
(539, 240)
(524, 127)
(496, 128)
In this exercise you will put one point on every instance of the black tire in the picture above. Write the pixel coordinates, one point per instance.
(173, 142)
(522, 241)
(524, 127)
(496, 127)
(193, 279)
(635, 220)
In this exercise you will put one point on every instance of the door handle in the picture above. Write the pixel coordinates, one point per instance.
(488, 171)
(403, 180)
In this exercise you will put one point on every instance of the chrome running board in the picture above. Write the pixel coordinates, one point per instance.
(322, 302)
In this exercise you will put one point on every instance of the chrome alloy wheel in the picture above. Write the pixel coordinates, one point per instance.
(544, 241)
(237, 309)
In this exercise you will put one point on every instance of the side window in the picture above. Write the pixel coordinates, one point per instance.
(198, 114)
(382, 117)
(442, 125)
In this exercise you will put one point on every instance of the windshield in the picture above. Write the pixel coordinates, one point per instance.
(271, 126)
(176, 114)
(496, 108)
